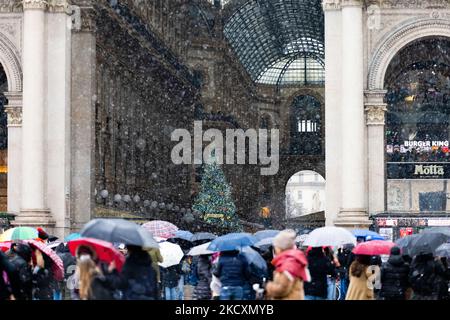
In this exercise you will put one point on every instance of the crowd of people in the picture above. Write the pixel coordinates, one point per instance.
(294, 273)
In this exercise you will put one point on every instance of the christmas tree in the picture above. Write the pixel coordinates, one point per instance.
(214, 200)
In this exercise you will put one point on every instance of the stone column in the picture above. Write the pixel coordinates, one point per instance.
(333, 158)
(375, 110)
(353, 211)
(33, 208)
(14, 111)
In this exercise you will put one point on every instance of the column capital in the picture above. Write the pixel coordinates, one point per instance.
(58, 6)
(35, 4)
(352, 3)
(376, 114)
(330, 5)
(14, 116)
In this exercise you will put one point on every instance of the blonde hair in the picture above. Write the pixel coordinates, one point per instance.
(285, 240)
(87, 270)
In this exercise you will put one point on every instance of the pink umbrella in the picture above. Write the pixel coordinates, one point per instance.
(162, 229)
(57, 263)
(374, 248)
(5, 246)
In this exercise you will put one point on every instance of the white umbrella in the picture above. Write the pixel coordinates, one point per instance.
(329, 236)
(301, 238)
(200, 250)
(171, 253)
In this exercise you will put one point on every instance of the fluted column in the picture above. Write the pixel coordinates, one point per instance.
(33, 206)
(333, 130)
(14, 111)
(353, 212)
(375, 110)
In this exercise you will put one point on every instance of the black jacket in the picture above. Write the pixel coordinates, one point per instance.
(202, 290)
(319, 267)
(139, 277)
(24, 276)
(171, 276)
(427, 277)
(346, 258)
(394, 278)
(232, 270)
(43, 284)
(69, 261)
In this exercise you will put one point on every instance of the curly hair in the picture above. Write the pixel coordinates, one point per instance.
(359, 266)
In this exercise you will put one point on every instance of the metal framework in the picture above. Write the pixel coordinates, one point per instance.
(279, 42)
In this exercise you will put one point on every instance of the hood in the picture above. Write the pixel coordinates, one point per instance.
(293, 261)
(396, 260)
(139, 258)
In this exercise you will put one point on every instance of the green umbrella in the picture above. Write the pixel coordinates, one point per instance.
(19, 233)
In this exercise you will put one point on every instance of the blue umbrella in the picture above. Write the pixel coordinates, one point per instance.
(257, 264)
(367, 234)
(72, 236)
(184, 235)
(232, 241)
(266, 234)
(264, 243)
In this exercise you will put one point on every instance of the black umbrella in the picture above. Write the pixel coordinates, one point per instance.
(405, 244)
(119, 231)
(203, 236)
(443, 250)
(427, 243)
(443, 230)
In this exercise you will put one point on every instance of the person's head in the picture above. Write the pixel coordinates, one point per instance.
(22, 250)
(316, 252)
(285, 240)
(42, 234)
(360, 264)
(85, 250)
(87, 269)
(395, 251)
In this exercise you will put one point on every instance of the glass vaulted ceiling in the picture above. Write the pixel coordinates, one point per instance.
(279, 42)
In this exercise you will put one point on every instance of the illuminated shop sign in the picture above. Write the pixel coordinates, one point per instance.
(412, 222)
(424, 170)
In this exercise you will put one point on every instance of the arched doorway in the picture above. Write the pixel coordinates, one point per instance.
(417, 127)
(305, 194)
(3, 143)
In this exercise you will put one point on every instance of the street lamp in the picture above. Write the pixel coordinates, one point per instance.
(104, 194)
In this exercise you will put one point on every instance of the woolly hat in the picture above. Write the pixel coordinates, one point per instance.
(395, 251)
(285, 240)
(42, 234)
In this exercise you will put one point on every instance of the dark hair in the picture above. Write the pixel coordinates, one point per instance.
(359, 265)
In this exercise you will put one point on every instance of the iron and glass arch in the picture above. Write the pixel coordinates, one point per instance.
(279, 42)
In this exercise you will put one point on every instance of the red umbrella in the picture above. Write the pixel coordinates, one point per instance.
(374, 248)
(57, 263)
(5, 246)
(105, 251)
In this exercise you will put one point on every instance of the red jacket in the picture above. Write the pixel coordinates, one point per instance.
(294, 262)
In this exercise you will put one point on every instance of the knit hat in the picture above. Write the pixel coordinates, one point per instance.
(42, 234)
(395, 251)
(285, 240)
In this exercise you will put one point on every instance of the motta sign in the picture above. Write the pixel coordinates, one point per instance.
(398, 170)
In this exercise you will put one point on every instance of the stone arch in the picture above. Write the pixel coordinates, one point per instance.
(390, 45)
(9, 58)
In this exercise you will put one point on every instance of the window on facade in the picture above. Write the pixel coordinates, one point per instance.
(306, 126)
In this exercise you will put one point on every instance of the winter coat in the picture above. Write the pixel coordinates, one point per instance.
(170, 276)
(232, 270)
(5, 267)
(394, 279)
(155, 255)
(43, 283)
(67, 258)
(427, 277)
(346, 258)
(139, 277)
(320, 267)
(358, 288)
(289, 276)
(202, 290)
(24, 277)
(103, 288)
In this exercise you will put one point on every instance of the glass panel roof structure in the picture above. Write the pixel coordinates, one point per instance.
(279, 42)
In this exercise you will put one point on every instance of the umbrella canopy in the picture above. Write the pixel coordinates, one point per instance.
(443, 250)
(232, 241)
(183, 235)
(54, 245)
(19, 233)
(203, 236)
(171, 253)
(405, 243)
(57, 263)
(443, 230)
(200, 250)
(329, 236)
(266, 234)
(105, 251)
(367, 234)
(264, 244)
(160, 228)
(257, 264)
(374, 248)
(119, 231)
(426, 243)
(72, 236)
(301, 238)
(5, 246)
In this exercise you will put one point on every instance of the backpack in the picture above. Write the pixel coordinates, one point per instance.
(423, 278)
